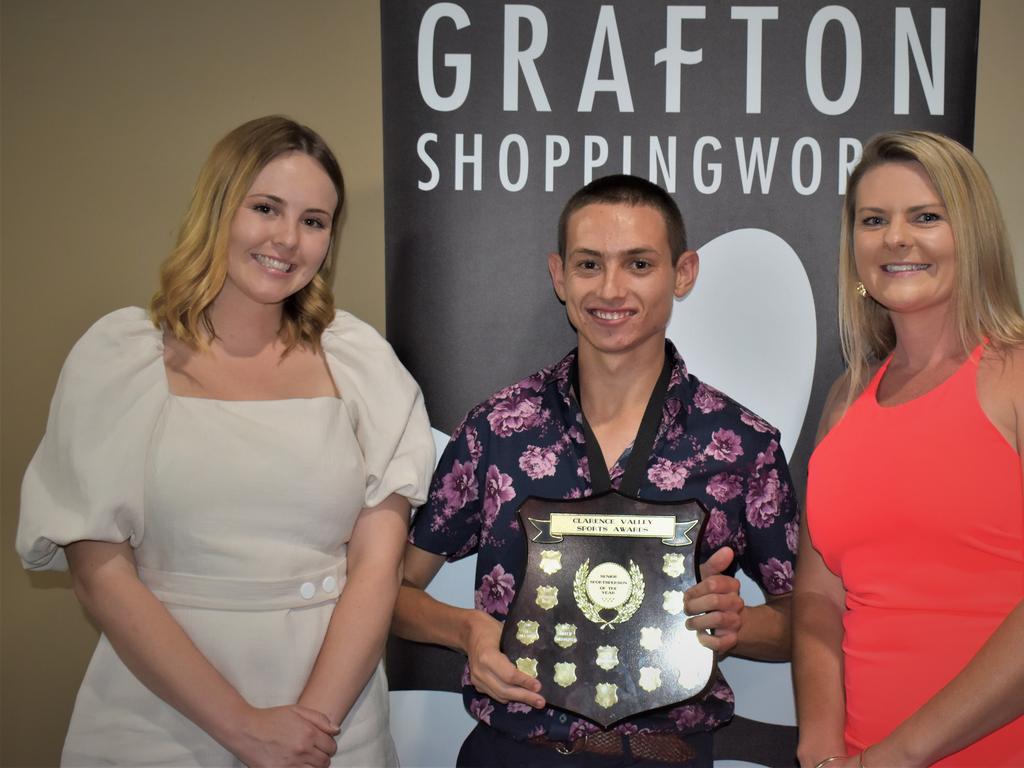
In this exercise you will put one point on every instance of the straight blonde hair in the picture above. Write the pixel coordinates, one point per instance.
(193, 274)
(985, 300)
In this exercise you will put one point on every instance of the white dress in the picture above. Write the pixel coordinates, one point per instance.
(239, 514)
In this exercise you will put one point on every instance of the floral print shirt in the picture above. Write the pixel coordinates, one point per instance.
(527, 440)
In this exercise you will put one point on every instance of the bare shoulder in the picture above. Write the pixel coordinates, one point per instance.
(842, 393)
(1003, 366)
(1001, 391)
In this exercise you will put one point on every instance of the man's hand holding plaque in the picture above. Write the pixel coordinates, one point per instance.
(491, 671)
(715, 604)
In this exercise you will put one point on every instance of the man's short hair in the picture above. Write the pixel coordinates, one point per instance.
(627, 190)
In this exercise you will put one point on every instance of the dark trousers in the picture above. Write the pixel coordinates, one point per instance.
(487, 748)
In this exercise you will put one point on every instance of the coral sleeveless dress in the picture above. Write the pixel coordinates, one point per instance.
(919, 509)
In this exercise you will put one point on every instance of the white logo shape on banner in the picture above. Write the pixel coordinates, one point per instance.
(748, 327)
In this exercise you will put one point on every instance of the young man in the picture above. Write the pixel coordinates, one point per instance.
(622, 261)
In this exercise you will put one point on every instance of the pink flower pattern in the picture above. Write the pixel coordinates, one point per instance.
(793, 536)
(514, 414)
(581, 727)
(724, 486)
(496, 591)
(717, 531)
(668, 475)
(763, 496)
(473, 445)
(708, 400)
(481, 709)
(497, 490)
(458, 487)
(766, 458)
(687, 716)
(725, 445)
(778, 576)
(538, 462)
(755, 421)
(722, 691)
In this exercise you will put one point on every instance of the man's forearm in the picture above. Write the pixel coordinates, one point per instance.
(421, 618)
(765, 634)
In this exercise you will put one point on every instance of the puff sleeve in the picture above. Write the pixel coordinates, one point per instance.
(385, 407)
(85, 480)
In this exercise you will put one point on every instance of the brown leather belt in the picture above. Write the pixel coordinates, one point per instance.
(662, 747)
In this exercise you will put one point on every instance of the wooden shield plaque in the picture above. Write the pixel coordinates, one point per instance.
(599, 617)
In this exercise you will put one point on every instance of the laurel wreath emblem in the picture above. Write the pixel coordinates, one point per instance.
(624, 612)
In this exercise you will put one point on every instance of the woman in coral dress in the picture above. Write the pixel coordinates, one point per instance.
(229, 478)
(909, 620)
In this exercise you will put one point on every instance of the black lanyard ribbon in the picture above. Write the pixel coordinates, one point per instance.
(633, 474)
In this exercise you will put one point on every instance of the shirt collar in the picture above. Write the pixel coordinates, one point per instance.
(678, 386)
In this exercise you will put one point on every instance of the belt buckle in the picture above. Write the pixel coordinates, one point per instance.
(579, 744)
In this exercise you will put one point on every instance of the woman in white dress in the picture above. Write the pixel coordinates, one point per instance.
(229, 478)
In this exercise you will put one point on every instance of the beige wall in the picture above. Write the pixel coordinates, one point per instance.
(108, 108)
(1000, 113)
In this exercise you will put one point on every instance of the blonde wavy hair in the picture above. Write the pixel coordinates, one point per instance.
(985, 300)
(194, 272)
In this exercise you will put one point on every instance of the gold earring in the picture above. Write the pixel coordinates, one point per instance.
(861, 290)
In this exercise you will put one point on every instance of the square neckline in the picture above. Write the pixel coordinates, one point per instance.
(166, 379)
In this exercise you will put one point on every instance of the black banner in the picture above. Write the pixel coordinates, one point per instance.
(750, 115)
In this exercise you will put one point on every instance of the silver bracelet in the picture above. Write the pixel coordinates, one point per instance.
(828, 760)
